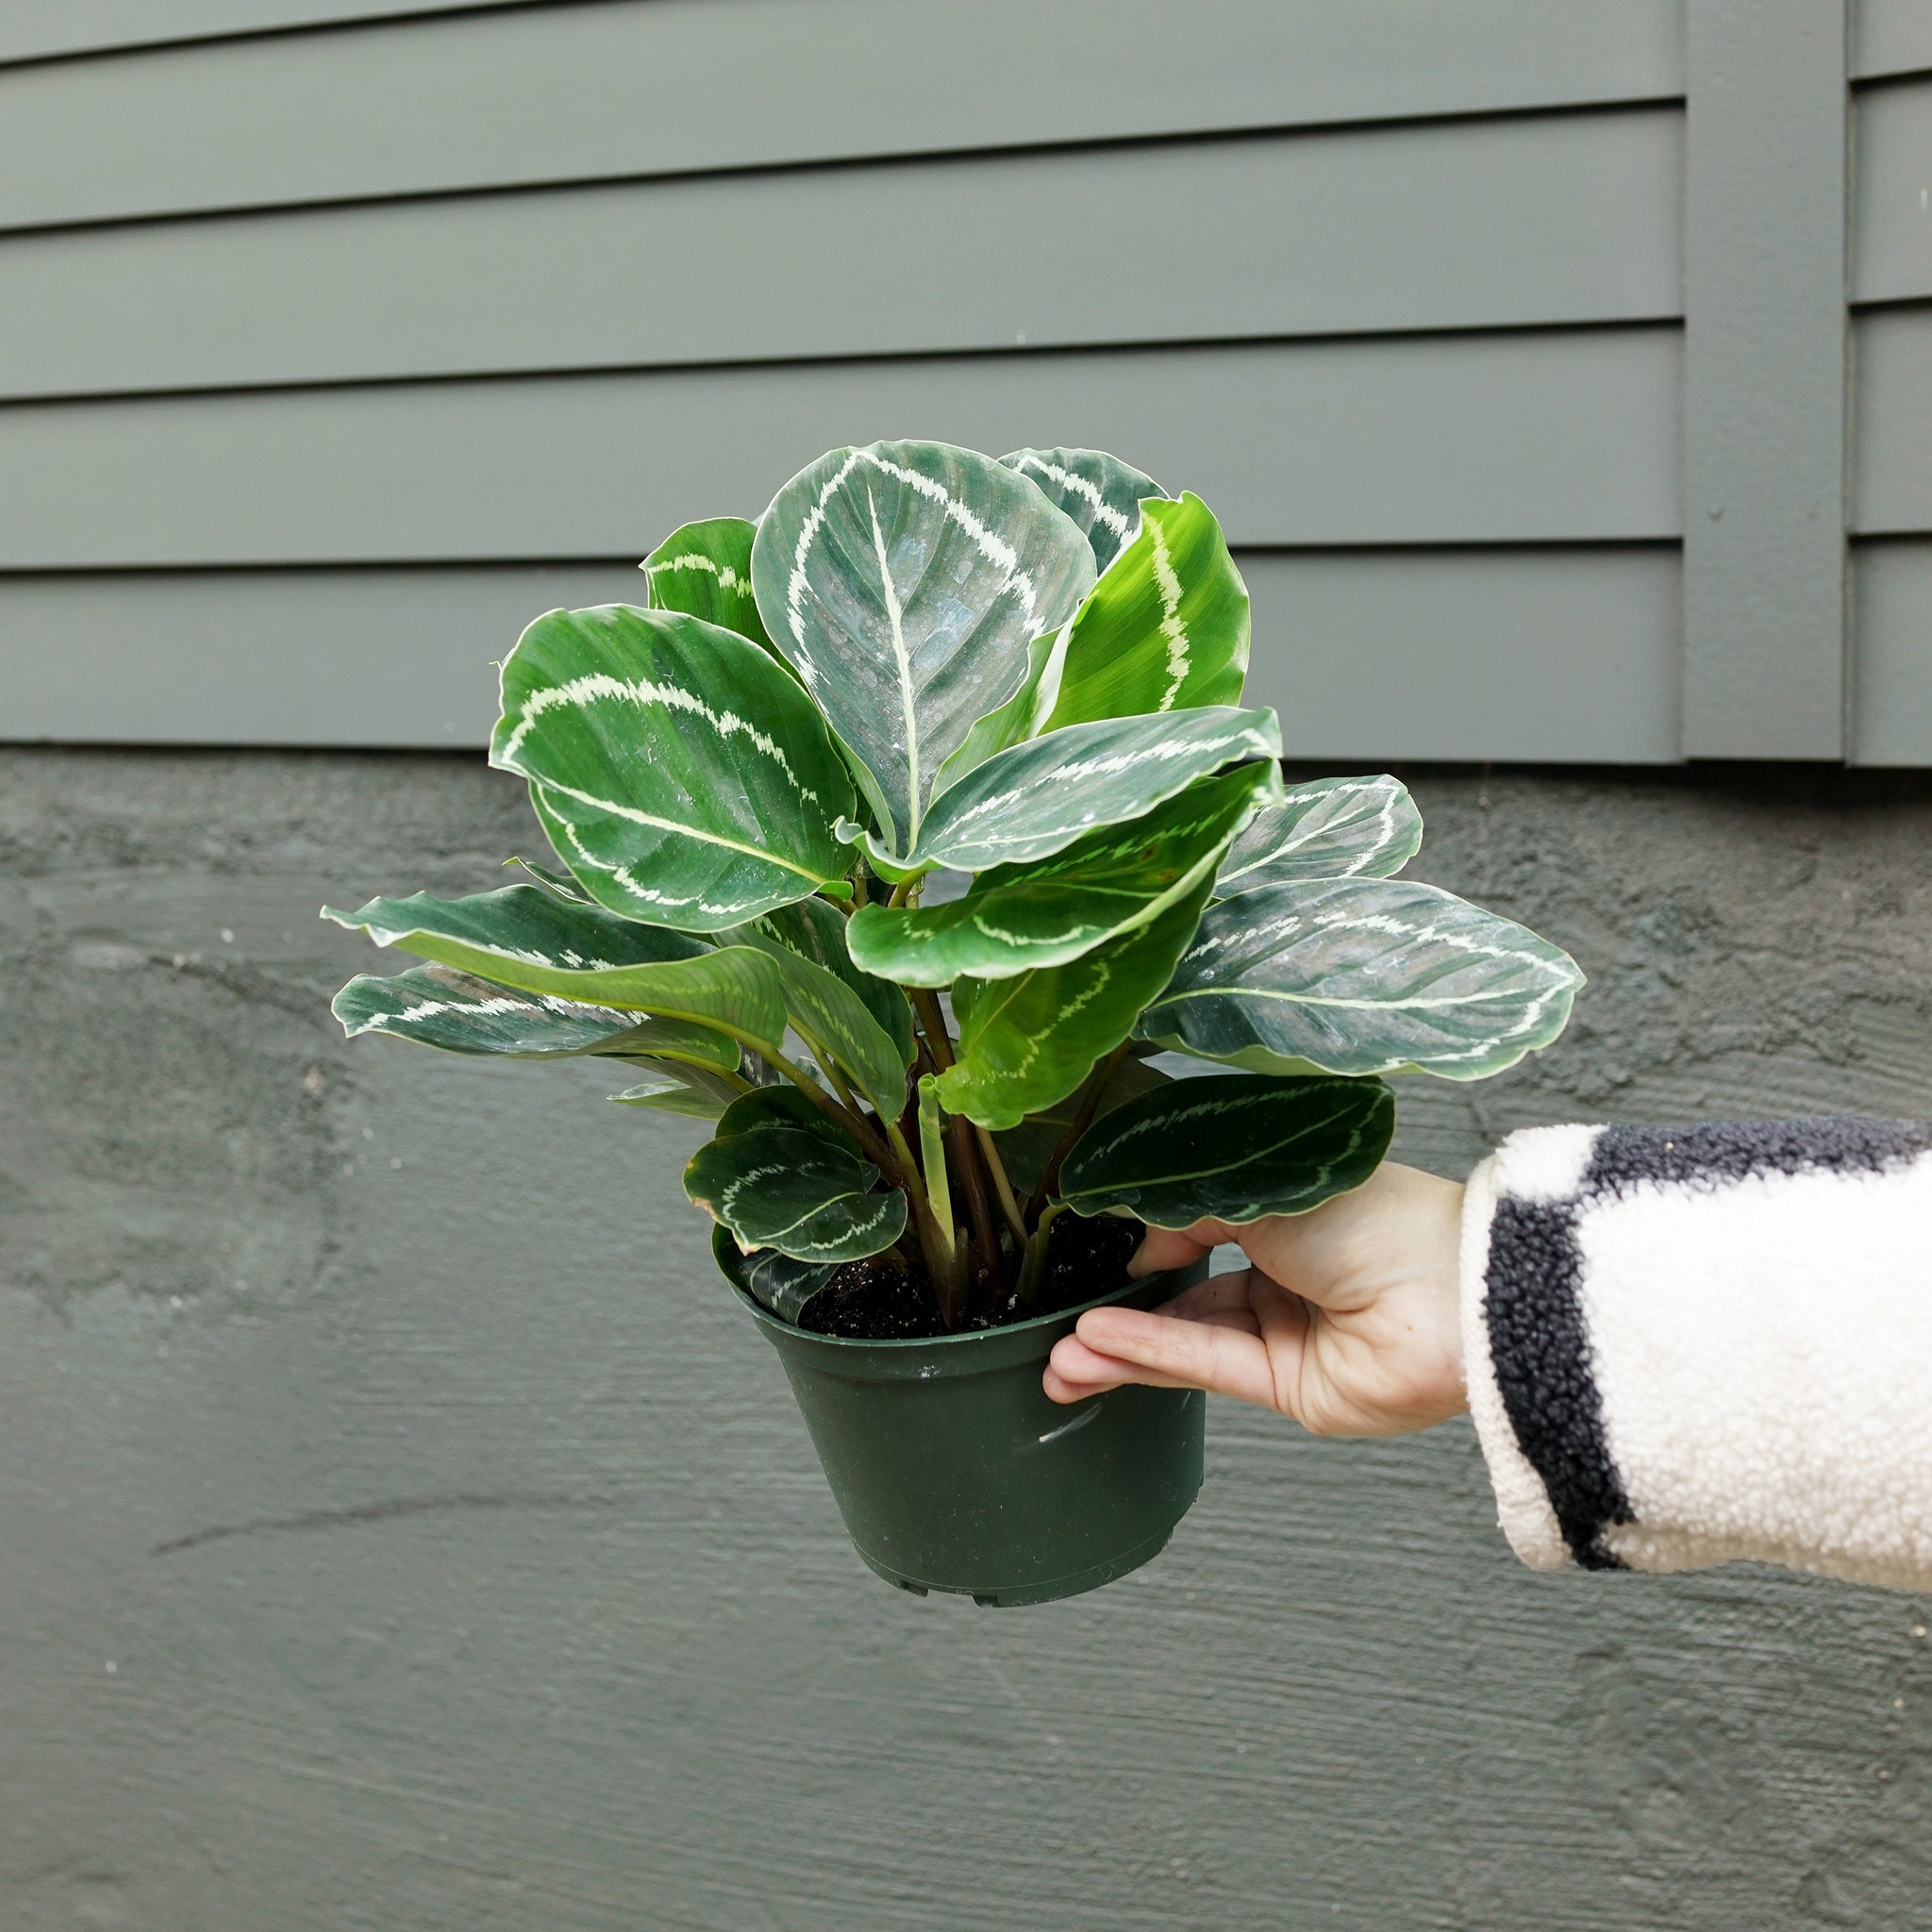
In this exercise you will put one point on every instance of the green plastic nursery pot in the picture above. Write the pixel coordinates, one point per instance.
(954, 1471)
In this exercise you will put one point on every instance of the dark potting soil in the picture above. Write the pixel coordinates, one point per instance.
(876, 1300)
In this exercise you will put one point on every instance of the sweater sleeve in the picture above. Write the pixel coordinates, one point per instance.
(1694, 1345)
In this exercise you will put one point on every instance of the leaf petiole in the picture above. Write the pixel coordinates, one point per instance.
(1036, 1210)
(1033, 1270)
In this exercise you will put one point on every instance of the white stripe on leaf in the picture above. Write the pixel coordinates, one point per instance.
(1172, 628)
(580, 692)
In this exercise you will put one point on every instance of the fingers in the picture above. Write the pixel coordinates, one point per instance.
(1112, 1345)
(1075, 1372)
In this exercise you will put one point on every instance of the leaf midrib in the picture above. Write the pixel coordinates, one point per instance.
(635, 816)
(1247, 1160)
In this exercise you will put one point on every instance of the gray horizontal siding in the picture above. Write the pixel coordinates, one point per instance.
(519, 96)
(1458, 438)
(1892, 433)
(1303, 234)
(319, 657)
(35, 29)
(1891, 254)
(1371, 657)
(1555, 654)
(1890, 36)
(1891, 692)
(1888, 694)
(1892, 682)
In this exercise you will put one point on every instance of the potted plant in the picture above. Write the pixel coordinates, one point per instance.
(900, 831)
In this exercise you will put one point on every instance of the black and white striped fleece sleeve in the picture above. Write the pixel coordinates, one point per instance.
(1687, 1346)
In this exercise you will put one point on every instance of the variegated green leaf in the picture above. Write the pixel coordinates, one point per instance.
(1328, 828)
(782, 1107)
(527, 924)
(560, 882)
(781, 1186)
(1100, 493)
(1363, 976)
(684, 1040)
(440, 1007)
(1029, 1041)
(523, 936)
(815, 933)
(683, 776)
(783, 1285)
(1166, 628)
(705, 570)
(1110, 882)
(1230, 1147)
(1022, 715)
(1028, 1148)
(678, 1087)
(905, 582)
(1035, 799)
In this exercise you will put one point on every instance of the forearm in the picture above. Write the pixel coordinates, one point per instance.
(1689, 1346)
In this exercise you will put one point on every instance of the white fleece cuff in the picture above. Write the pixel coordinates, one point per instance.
(1689, 1345)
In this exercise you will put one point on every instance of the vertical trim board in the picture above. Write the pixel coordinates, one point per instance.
(1764, 380)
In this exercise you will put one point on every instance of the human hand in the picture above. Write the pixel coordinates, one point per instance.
(1346, 1318)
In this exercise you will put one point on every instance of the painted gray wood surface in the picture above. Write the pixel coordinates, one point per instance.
(1890, 36)
(1892, 480)
(47, 30)
(513, 96)
(1891, 256)
(1551, 436)
(1765, 380)
(1372, 655)
(1308, 234)
(461, 1562)
(1435, 207)
(1891, 699)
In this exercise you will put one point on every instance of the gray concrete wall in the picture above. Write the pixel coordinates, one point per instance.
(401, 1530)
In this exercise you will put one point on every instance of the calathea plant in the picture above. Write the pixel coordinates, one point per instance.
(902, 829)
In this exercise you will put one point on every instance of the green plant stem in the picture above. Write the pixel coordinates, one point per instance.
(932, 1023)
(933, 1156)
(893, 1158)
(1090, 1102)
(986, 1232)
(932, 1244)
(1034, 1270)
(966, 1154)
(829, 1068)
(1010, 1206)
(949, 1272)
(882, 1156)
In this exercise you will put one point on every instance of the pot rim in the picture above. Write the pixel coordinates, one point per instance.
(982, 1351)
